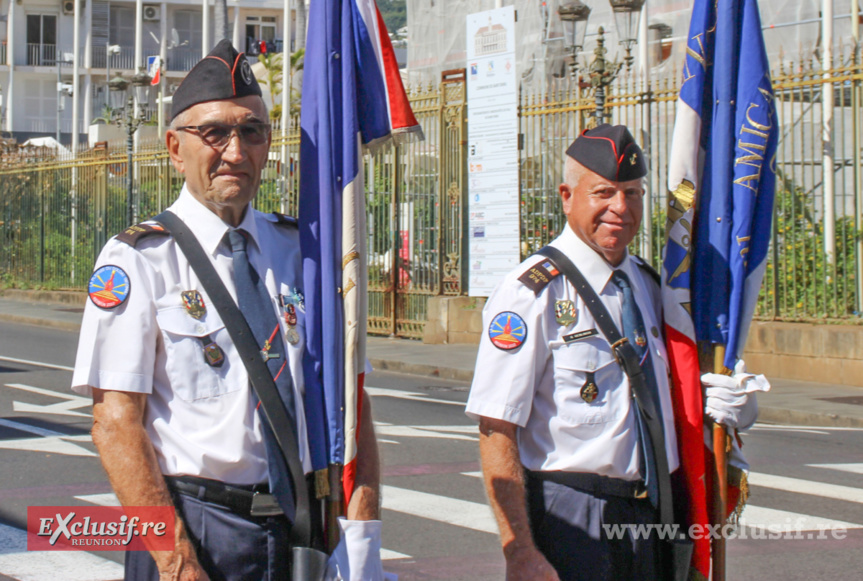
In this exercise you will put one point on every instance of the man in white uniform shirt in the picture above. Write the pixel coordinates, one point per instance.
(175, 418)
(559, 439)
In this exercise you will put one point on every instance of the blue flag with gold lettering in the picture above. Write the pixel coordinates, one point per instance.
(735, 203)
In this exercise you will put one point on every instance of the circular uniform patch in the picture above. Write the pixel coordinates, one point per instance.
(507, 331)
(109, 287)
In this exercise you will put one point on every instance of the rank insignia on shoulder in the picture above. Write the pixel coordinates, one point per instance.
(285, 219)
(194, 303)
(507, 331)
(589, 391)
(539, 275)
(565, 313)
(134, 234)
(109, 287)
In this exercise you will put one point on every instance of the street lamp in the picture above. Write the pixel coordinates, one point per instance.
(574, 16)
(131, 117)
(626, 15)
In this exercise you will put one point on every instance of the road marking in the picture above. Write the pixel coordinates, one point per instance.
(37, 363)
(110, 499)
(107, 499)
(50, 441)
(809, 429)
(852, 468)
(409, 395)
(821, 489)
(784, 521)
(18, 563)
(64, 408)
(427, 432)
(476, 474)
(461, 513)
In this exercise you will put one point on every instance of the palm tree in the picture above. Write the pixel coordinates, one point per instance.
(273, 78)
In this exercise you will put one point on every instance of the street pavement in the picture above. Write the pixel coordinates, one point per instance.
(804, 519)
(789, 401)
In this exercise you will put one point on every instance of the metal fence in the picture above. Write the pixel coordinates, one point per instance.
(56, 215)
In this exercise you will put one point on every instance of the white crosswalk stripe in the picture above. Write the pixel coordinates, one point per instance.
(852, 468)
(16, 562)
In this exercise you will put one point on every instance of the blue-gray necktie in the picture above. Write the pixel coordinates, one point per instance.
(257, 307)
(634, 331)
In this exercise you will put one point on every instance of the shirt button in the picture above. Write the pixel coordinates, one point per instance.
(200, 329)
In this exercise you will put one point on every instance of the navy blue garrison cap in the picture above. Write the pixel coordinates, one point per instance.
(222, 74)
(610, 151)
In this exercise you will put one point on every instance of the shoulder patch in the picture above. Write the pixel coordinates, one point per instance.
(109, 287)
(539, 275)
(507, 331)
(286, 220)
(134, 234)
(645, 267)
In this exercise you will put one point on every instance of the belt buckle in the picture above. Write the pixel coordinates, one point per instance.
(264, 504)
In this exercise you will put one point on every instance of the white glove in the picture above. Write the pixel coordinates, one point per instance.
(357, 557)
(730, 400)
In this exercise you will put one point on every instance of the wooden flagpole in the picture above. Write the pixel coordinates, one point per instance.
(720, 476)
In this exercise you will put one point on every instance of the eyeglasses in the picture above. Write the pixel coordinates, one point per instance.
(219, 134)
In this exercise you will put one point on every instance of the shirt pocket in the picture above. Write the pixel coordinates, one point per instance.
(574, 365)
(191, 377)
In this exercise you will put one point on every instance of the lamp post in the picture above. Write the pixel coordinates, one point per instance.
(131, 117)
(574, 16)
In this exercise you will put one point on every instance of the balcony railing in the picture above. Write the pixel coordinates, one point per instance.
(3, 53)
(123, 61)
(38, 55)
(183, 58)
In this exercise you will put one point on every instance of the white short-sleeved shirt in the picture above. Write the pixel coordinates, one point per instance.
(537, 386)
(200, 418)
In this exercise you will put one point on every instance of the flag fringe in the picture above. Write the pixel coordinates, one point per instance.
(737, 477)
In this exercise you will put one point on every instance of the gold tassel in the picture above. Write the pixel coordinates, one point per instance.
(738, 478)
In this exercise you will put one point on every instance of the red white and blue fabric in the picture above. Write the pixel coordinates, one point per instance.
(352, 97)
(722, 183)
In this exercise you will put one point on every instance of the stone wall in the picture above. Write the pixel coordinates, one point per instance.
(453, 320)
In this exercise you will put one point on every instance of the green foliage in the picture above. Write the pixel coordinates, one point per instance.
(394, 13)
(273, 80)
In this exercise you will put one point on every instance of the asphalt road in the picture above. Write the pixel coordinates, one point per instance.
(436, 522)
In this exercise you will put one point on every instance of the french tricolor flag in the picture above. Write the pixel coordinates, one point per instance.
(352, 98)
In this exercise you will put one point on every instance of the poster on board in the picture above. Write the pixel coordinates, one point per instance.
(492, 100)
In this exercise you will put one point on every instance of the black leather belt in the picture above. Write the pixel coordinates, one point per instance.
(594, 483)
(243, 500)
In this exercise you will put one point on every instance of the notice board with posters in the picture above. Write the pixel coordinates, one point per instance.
(492, 100)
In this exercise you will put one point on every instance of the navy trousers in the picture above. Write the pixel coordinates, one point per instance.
(567, 526)
(229, 547)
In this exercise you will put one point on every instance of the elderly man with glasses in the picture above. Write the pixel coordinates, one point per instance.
(174, 417)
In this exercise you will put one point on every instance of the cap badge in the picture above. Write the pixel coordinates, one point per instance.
(633, 159)
(109, 287)
(246, 72)
(507, 331)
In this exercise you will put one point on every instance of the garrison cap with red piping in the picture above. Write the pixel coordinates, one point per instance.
(222, 74)
(610, 151)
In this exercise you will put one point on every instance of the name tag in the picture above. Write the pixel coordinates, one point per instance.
(573, 337)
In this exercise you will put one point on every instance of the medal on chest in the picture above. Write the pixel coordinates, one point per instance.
(565, 313)
(194, 303)
(213, 354)
(589, 391)
(289, 305)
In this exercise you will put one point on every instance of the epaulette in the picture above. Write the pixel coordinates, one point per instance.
(286, 220)
(539, 275)
(643, 265)
(134, 234)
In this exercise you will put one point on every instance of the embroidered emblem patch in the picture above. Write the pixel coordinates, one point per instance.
(564, 312)
(539, 275)
(507, 331)
(109, 287)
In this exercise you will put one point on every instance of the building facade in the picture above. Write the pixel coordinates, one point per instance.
(37, 52)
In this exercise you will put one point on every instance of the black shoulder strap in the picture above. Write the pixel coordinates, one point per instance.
(259, 375)
(628, 361)
(286, 220)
